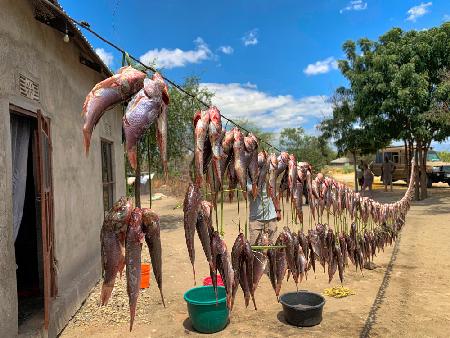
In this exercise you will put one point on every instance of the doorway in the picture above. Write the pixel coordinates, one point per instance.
(33, 217)
(27, 227)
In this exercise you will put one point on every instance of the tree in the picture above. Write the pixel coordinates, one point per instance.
(349, 135)
(398, 84)
(305, 147)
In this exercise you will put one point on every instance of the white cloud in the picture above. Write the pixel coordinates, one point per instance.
(418, 11)
(446, 17)
(356, 5)
(250, 38)
(226, 49)
(106, 57)
(270, 112)
(171, 58)
(321, 66)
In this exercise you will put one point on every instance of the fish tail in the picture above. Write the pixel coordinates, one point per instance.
(193, 270)
(132, 157)
(132, 314)
(105, 294)
(162, 297)
(254, 301)
(87, 139)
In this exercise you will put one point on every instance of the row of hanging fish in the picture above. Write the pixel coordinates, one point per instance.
(123, 232)
(294, 253)
(149, 103)
(327, 194)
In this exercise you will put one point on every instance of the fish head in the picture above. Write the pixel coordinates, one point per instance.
(215, 117)
(123, 211)
(238, 137)
(250, 142)
(284, 157)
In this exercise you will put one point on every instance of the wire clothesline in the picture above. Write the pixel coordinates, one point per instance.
(147, 67)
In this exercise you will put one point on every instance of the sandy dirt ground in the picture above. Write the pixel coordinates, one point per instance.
(406, 295)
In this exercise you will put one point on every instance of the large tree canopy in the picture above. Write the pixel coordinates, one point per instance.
(400, 86)
(305, 147)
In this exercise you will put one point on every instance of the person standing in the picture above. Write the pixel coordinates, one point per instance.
(263, 216)
(387, 169)
(360, 174)
(368, 180)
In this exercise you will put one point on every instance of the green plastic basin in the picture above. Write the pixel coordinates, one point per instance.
(207, 315)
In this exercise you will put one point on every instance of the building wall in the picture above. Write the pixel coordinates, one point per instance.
(38, 51)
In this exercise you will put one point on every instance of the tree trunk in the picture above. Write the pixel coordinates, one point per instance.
(417, 178)
(354, 168)
(137, 181)
(423, 168)
(407, 162)
(410, 155)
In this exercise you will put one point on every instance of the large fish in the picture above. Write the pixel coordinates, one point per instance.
(222, 262)
(133, 248)
(205, 228)
(216, 136)
(152, 230)
(112, 239)
(273, 167)
(241, 160)
(272, 258)
(191, 207)
(292, 175)
(201, 125)
(111, 91)
(263, 164)
(232, 179)
(251, 146)
(248, 272)
(286, 238)
(236, 262)
(253, 170)
(259, 260)
(280, 271)
(283, 161)
(142, 111)
(227, 148)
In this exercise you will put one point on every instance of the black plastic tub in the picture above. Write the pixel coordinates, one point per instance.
(302, 308)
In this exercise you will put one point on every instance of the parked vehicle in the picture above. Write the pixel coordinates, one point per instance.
(437, 170)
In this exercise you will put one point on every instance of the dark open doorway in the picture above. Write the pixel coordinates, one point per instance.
(28, 243)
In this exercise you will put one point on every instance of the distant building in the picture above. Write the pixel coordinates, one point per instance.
(49, 243)
(341, 162)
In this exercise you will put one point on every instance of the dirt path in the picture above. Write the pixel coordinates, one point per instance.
(405, 295)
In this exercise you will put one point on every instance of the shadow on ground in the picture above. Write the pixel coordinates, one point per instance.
(171, 222)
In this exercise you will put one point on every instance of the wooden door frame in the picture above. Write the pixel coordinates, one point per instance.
(46, 220)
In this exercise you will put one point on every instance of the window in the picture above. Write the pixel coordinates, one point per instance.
(107, 175)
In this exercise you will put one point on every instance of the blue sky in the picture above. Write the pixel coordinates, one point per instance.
(273, 62)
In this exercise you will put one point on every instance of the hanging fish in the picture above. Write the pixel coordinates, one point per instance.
(216, 136)
(152, 230)
(201, 125)
(191, 208)
(106, 94)
(142, 112)
(133, 248)
(112, 239)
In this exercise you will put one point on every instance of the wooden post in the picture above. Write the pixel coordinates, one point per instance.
(417, 178)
